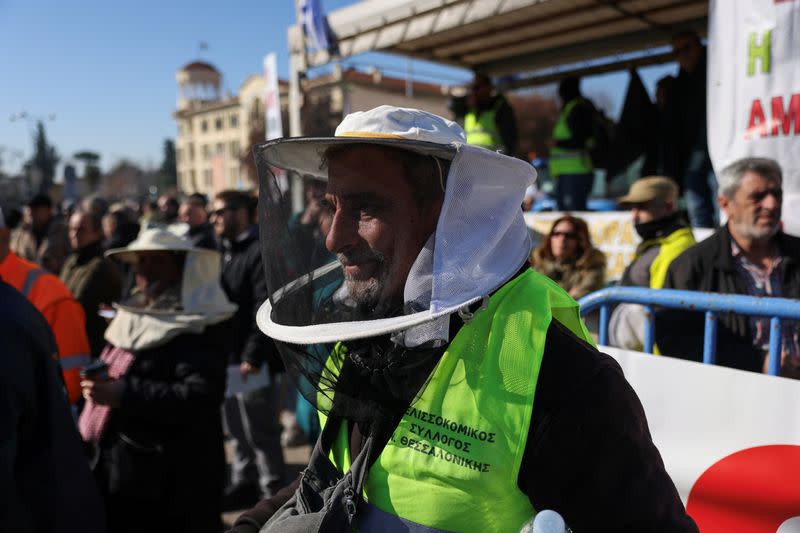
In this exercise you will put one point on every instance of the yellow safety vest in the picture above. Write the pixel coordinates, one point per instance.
(481, 127)
(453, 461)
(564, 160)
(671, 247)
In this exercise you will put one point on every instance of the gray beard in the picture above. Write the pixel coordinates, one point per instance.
(365, 293)
(750, 231)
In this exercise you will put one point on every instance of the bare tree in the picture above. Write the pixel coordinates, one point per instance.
(536, 116)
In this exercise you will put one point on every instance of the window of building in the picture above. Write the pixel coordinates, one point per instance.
(204, 126)
(206, 152)
(179, 155)
(233, 174)
(207, 177)
(220, 149)
(234, 150)
(191, 152)
(234, 121)
(193, 177)
(218, 123)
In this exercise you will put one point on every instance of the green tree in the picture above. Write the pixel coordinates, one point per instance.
(169, 169)
(45, 158)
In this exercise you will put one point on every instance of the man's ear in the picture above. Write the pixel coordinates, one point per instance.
(724, 204)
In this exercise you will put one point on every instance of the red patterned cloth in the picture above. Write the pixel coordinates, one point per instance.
(94, 417)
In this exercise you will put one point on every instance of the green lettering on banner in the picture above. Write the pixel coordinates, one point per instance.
(756, 51)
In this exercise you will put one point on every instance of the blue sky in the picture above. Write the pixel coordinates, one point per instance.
(106, 70)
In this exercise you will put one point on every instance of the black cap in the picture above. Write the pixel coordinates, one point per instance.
(40, 200)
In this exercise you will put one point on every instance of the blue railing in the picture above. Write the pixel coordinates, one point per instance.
(776, 309)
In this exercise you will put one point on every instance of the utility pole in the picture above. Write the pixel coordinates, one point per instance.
(297, 68)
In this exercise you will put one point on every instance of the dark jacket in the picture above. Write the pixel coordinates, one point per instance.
(202, 236)
(685, 120)
(93, 280)
(505, 120)
(708, 267)
(580, 122)
(162, 462)
(244, 284)
(586, 419)
(45, 482)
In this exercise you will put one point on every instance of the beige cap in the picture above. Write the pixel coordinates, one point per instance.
(648, 189)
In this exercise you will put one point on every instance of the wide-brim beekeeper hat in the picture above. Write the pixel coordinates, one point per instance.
(201, 292)
(394, 127)
(480, 240)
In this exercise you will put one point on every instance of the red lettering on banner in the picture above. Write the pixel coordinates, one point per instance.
(780, 122)
(757, 123)
(785, 119)
(751, 491)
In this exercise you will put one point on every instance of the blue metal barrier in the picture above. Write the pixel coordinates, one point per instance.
(776, 309)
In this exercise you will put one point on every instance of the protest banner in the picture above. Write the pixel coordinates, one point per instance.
(754, 89)
(730, 440)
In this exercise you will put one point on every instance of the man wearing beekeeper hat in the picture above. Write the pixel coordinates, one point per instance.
(458, 389)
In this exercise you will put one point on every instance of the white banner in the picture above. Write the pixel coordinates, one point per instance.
(754, 88)
(730, 440)
(272, 100)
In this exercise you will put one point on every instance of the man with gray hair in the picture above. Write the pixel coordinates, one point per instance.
(94, 280)
(749, 255)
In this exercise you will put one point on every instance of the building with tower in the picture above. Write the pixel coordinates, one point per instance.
(216, 129)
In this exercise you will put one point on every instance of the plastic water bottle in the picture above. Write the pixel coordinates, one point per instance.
(545, 522)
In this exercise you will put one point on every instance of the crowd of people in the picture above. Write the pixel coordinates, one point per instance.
(152, 310)
(748, 255)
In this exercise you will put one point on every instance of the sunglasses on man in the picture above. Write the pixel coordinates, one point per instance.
(219, 212)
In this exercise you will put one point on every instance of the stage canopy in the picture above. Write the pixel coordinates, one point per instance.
(509, 37)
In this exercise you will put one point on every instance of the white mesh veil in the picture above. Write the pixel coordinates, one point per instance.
(481, 241)
(366, 361)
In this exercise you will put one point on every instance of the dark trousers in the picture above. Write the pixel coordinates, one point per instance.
(572, 191)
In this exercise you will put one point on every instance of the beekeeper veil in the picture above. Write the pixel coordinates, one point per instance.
(353, 282)
(194, 303)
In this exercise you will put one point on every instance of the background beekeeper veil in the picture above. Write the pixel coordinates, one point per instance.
(199, 299)
(316, 313)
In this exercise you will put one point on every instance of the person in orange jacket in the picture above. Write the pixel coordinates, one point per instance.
(52, 298)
